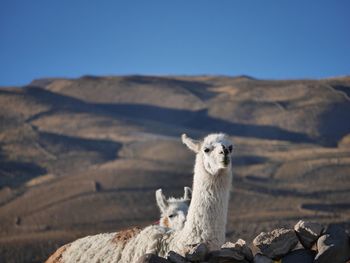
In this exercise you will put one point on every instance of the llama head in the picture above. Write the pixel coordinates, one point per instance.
(173, 210)
(215, 151)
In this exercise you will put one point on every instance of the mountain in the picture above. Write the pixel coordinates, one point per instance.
(84, 156)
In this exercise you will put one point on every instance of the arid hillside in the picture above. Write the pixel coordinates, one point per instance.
(84, 156)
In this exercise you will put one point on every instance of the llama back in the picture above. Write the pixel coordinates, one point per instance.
(106, 247)
(98, 248)
(122, 247)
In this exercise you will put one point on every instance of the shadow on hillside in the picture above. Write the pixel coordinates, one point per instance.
(344, 89)
(335, 124)
(13, 173)
(269, 187)
(248, 160)
(199, 120)
(332, 208)
(61, 144)
(60, 148)
(199, 89)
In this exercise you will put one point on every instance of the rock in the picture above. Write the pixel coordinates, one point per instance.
(277, 243)
(259, 258)
(226, 255)
(299, 256)
(151, 258)
(308, 232)
(333, 246)
(198, 253)
(176, 258)
(18, 220)
(226, 260)
(298, 246)
(314, 247)
(241, 247)
(96, 186)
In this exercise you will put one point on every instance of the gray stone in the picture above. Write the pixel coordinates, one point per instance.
(151, 258)
(299, 256)
(226, 255)
(18, 220)
(259, 258)
(298, 246)
(197, 253)
(226, 260)
(333, 246)
(277, 243)
(241, 247)
(175, 258)
(314, 248)
(308, 232)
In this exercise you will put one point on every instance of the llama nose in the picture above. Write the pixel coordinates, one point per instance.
(224, 150)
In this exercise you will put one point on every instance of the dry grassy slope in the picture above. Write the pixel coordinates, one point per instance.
(84, 156)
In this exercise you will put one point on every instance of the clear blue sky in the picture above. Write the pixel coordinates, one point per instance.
(263, 38)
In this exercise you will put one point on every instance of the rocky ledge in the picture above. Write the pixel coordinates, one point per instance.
(308, 242)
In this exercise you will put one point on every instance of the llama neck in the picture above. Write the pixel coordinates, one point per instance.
(207, 214)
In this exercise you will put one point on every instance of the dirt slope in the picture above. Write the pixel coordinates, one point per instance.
(82, 156)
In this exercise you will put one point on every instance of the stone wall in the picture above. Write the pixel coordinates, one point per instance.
(308, 242)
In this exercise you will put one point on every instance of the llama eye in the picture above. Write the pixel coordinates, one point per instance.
(230, 148)
(171, 216)
(206, 150)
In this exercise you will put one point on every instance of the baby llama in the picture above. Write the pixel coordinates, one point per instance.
(173, 210)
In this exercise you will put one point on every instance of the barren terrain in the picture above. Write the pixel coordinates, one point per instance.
(84, 156)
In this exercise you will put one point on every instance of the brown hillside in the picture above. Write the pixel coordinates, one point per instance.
(83, 156)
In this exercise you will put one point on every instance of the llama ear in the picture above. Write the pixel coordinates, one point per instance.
(161, 200)
(194, 145)
(188, 193)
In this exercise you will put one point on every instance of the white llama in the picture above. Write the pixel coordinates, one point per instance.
(173, 210)
(206, 219)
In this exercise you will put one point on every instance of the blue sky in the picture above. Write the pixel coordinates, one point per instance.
(269, 39)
